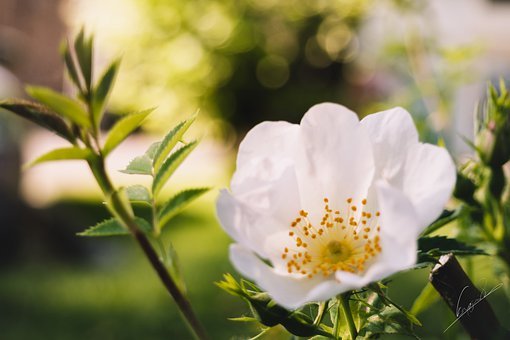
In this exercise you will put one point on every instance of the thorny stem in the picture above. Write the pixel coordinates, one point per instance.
(344, 301)
(123, 213)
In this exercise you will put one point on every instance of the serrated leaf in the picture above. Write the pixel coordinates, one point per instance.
(151, 151)
(177, 203)
(103, 90)
(141, 165)
(427, 297)
(169, 142)
(39, 114)
(123, 128)
(138, 193)
(62, 154)
(113, 227)
(61, 104)
(83, 48)
(439, 245)
(170, 165)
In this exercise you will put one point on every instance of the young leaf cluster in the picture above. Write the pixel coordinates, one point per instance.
(373, 311)
(269, 314)
(379, 316)
(483, 184)
(75, 119)
(78, 119)
(159, 162)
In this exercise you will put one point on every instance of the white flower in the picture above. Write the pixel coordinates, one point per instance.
(332, 204)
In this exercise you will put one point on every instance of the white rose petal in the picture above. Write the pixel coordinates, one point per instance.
(332, 204)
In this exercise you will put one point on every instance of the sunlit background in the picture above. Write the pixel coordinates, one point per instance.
(237, 62)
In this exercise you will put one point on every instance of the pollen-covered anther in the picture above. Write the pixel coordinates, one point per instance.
(335, 246)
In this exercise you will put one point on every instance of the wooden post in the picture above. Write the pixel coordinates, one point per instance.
(469, 304)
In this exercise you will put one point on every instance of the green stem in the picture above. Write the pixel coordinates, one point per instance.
(344, 301)
(123, 212)
(323, 307)
(162, 249)
(336, 328)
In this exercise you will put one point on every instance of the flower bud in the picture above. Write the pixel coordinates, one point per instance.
(492, 139)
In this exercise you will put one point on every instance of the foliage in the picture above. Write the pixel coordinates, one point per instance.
(374, 313)
(242, 61)
(78, 120)
(483, 185)
(430, 248)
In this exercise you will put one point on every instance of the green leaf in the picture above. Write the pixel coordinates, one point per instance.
(113, 227)
(170, 140)
(170, 165)
(151, 151)
(175, 267)
(465, 189)
(62, 154)
(61, 104)
(103, 90)
(389, 321)
(446, 217)
(138, 193)
(71, 67)
(83, 48)
(379, 315)
(39, 114)
(123, 128)
(270, 314)
(436, 246)
(428, 296)
(177, 203)
(243, 319)
(141, 165)
(380, 289)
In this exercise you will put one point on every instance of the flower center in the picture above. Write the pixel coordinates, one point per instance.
(345, 241)
(336, 251)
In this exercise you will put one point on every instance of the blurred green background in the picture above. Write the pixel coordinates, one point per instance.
(239, 62)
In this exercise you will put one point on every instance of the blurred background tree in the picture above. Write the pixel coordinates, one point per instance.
(240, 61)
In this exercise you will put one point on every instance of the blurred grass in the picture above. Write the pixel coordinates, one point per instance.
(113, 293)
(116, 295)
